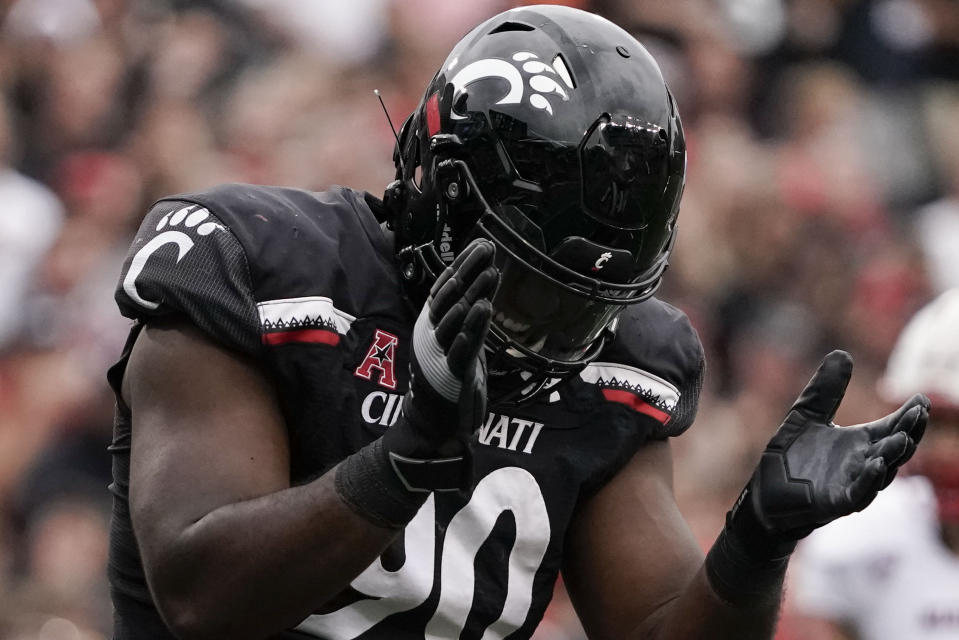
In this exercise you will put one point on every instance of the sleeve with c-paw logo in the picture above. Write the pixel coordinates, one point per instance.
(185, 261)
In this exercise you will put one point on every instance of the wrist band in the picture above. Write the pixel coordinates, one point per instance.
(740, 579)
(755, 539)
(367, 483)
(420, 462)
(746, 565)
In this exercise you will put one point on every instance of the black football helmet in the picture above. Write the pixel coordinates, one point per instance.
(550, 131)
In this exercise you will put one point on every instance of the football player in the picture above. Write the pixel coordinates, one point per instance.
(341, 417)
(892, 571)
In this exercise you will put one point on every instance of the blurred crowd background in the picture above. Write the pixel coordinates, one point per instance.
(821, 210)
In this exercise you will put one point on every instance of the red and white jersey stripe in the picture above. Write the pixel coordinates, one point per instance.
(307, 319)
(639, 390)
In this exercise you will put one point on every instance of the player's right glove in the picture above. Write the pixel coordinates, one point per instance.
(428, 449)
(811, 473)
(446, 401)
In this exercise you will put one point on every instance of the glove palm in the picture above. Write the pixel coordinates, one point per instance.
(446, 401)
(813, 471)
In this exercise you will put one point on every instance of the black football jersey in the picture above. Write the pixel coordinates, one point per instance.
(306, 284)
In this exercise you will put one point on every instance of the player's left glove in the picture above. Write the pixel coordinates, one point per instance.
(812, 472)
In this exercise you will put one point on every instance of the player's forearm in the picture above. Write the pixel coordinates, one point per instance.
(701, 613)
(736, 593)
(254, 568)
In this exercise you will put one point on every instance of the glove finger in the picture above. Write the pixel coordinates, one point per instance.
(484, 286)
(864, 488)
(919, 428)
(478, 324)
(891, 449)
(907, 454)
(902, 419)
(459, 277)
(451, 324)
(477, 256)
(467, 250)
(826, 388)
(445, 297)
(468, 342)
(440, 281)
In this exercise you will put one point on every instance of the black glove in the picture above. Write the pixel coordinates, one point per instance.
(427, 449)
(446, 401)
(813, 471)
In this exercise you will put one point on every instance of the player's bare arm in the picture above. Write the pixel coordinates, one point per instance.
(230, 549)
(635, 571)
(228, 546)
(630, 553)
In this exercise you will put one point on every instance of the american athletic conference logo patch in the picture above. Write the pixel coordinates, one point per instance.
(380, 358)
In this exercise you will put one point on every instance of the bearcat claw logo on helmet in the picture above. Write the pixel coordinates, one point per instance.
(542, 84)
(601, 260)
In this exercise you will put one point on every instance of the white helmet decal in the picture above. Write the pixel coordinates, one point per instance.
(538, 82)
(601, 260)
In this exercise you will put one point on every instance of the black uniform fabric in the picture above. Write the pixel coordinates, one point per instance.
(306, 284)
(156, 280)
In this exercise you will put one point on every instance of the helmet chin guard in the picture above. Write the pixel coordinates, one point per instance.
(549, 131)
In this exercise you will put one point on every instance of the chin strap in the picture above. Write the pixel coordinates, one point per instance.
(510, 387)
(380, 211)
(512, 390)
(419, 261)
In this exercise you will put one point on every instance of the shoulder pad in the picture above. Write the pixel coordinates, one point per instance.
(654, 365)
(307, 244)
(241, 261)
(185, 261)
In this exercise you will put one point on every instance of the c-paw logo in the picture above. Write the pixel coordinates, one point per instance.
(543, 79)
(181, 225)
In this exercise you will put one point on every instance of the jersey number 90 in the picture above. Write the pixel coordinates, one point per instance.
(508, 489)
